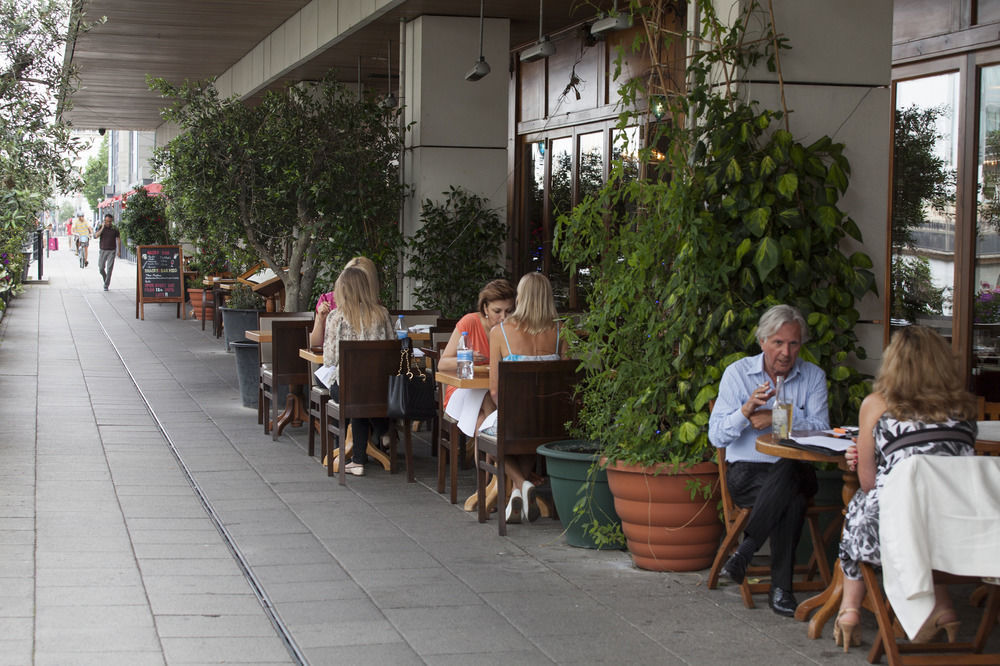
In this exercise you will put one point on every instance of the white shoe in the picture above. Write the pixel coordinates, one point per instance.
(355, 469)
(514, 506)
(528, 498)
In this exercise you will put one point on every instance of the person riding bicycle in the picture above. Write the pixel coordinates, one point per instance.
(82, 232)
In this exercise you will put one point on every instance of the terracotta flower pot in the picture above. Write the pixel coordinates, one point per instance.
(196, 295)
(664, 528)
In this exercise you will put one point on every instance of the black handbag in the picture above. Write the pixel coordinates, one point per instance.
(411, 390)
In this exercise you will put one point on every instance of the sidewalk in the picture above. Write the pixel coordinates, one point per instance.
(145, 518)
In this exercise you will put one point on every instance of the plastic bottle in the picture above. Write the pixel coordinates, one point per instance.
(464, 355)
(781, 415)
(400, 331)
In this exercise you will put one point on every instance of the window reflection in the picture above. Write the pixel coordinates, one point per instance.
(534, 222)
(923, 202)
(986, 282)
(561, 201)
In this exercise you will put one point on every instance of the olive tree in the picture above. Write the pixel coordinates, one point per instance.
(302, 179)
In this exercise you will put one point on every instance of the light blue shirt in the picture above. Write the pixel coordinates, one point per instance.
(728, 428)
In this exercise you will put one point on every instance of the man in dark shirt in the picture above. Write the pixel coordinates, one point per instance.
(110, 242)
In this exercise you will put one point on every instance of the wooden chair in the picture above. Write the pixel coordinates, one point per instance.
(445, 430)
(735, 519)
(318, 397)
(286, 368)
(991, 411)
(264, 320)
(537, 397)
(365, 367)
(901, 654)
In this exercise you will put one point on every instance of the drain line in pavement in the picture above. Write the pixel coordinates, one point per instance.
(255, 584)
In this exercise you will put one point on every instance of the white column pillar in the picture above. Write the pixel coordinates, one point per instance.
(459, 136)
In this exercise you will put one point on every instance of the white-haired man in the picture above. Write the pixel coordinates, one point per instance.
(777, 489)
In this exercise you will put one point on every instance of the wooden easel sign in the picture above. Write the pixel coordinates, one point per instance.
(159, 278)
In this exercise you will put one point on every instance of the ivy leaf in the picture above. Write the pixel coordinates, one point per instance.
(861, 260)
(840, 373)
(836, 178)
(733, 171)
(767, 166)
(766, 258)
(688, 432)
(742, 249)
(756, 221)
(704, 395)
(787, 185)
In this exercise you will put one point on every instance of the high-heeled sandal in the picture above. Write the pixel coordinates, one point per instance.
(932, 627)
(847, 634)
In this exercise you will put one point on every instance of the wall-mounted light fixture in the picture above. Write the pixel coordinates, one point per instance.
(543, 48)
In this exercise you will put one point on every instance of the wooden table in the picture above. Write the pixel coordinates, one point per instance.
(827, 601)
(988, 439)
(313, 355)
(480, 379)
(259, 336)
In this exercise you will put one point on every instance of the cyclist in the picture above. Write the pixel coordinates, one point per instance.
(82, 231)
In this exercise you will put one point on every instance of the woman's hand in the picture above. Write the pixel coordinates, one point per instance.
(324, 310)
(851, 455)
(479, 359)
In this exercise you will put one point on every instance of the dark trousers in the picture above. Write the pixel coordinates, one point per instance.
(360, 429)
(778, 493)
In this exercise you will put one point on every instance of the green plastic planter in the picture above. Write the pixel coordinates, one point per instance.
(568, 462)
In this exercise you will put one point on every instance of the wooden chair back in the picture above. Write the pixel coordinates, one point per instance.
(535, 402)
(991, 411)
(288, 336)
(264, 320)
(365, 367)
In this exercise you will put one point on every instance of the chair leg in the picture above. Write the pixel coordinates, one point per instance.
(453, 462)
(501, 496)
(408, 451)
(274, 413)
(728, 545)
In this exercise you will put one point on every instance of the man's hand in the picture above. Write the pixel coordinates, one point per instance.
(758, 398)
(760, 419)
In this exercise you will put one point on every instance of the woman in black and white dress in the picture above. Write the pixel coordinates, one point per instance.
(918, 388)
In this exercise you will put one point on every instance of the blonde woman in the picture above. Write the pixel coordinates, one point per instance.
(531, 333)
(918, 388)
(358, 316)
(328, 302)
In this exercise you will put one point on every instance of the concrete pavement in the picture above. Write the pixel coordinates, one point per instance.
(145, 518)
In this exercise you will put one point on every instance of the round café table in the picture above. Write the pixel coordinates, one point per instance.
(828, 601)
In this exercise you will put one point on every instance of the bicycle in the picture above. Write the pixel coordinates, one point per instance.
(81, 251)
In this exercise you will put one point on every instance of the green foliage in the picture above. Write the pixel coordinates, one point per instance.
(36, 146)
(243, 297)
(920, 179)
(913, 292)
(304, 179)
(144, 220)
(741, 217)
(95, 175)
(455, 252)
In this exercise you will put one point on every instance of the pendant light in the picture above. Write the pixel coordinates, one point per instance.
(390, 100)
(611, 23)
(481, 68)
(543, 48)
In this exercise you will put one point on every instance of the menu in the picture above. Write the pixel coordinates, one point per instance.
(160, 275)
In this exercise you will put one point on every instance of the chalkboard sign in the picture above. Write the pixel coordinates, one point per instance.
(160, 277)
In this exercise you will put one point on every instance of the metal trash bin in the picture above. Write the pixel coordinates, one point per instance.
(247, 371)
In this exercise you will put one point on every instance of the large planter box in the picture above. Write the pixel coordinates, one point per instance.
(569, 465)
(236, 323)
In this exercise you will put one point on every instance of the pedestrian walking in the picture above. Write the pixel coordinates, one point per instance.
(110, 242)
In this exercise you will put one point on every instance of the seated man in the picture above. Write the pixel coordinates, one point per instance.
(777, 489)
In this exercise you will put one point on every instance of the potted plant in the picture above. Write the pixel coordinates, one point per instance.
(240, 313)
(144, 220)
(204, 264)
(462, 226)
(580, 490)
(670, 310)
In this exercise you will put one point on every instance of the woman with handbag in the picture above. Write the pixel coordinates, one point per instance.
(470, 406)
(358, 316)
(531, 333)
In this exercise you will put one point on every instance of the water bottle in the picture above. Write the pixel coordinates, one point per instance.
(781, 415)
(400, 331)
(464, 356)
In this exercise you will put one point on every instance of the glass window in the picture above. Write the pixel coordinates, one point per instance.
(986, 279)
(534, 197)
(925, 156)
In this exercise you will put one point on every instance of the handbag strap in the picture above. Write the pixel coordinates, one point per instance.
(928, 435)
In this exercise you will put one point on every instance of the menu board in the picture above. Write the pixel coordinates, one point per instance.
(160, 277)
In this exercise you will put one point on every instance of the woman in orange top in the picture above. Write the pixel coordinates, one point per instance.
(496, 302)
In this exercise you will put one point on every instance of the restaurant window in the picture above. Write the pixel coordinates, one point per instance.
(986, 277)
(923, 223)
